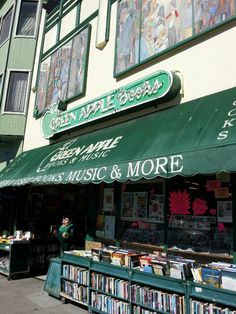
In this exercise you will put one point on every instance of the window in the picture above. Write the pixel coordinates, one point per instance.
(27, 18)
(16, 93)
(62, 75)
(5, 26)
(146, 28)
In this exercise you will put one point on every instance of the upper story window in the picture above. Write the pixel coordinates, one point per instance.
(5, 26)
(147, 28)
(27, 18)
(62, 75)
(16, 92)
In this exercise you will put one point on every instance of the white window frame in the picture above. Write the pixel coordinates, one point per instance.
(1, 23)
(1, 86)
(18, 17)
(4, 98)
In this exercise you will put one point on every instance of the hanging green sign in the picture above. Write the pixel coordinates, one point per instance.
(163, 85)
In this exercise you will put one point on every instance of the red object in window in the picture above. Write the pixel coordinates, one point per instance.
(179, 203)
(221, 226)
(213, 211)
(199, 206)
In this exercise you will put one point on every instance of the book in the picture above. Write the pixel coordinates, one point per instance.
(132, 259)
(178, 269)
(197, 273)
(211, 276)
(145, 260)
(228, 279)
(159, 267)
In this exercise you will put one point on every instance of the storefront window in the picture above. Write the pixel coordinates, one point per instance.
(200, 214)
(142, 213)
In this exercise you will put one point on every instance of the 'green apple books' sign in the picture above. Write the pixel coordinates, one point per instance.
(162, 85)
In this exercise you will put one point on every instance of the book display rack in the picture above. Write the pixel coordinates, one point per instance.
(106, 288)
(14, 258)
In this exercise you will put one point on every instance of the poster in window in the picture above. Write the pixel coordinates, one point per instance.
(78, 63)
(59, 75)
(140, 204)
(108, 201)
(210, 13)
(224, 211)
(127, 206)
(109, 227)
(128, 25)
(42, 85)
(156, 207)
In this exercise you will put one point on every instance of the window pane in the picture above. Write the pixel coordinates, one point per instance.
(78, 64)
(6, 23)
(42, 85)
(27, 18)
(16, 94)
(58, 76)
(127, 34)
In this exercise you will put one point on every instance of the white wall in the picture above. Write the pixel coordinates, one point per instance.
(206, 66)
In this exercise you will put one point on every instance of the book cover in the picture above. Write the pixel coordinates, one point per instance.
(211, 276)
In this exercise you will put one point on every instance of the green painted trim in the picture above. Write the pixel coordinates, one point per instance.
(59, 21)
(77, 20)
(55, 16)
(108, 22)
(69, 36)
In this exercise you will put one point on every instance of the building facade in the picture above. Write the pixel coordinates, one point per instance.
(132, 110)
(19, 22)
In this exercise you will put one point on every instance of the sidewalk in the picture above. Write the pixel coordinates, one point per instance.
(26, 296)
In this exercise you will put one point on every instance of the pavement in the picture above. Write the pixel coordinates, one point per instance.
(26, 296)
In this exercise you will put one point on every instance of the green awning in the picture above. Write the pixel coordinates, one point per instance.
(197, 137)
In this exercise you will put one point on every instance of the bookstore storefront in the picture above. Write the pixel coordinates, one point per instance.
(166, 179)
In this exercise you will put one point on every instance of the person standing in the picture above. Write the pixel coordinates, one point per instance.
(65, 234)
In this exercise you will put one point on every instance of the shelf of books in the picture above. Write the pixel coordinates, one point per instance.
(14, 258)
(75, 279)
(161, 282)
(212, 294)
(198, 307)
(147, 299)
(114, 281)
(109, 293)
(101, 303)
